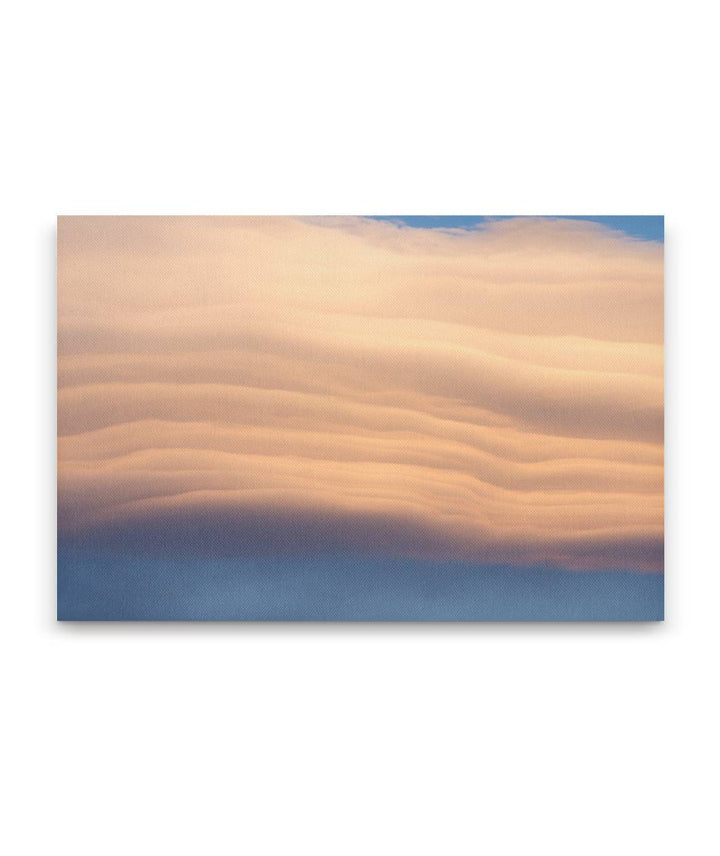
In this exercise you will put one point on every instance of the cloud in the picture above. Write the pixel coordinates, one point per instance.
(493, 394)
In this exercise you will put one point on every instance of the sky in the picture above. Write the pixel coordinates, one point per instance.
(647, 228)
(360, 418)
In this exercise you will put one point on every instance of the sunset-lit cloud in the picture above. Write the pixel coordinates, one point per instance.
(248, 385)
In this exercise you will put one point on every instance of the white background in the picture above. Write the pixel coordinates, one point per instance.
(359, 739)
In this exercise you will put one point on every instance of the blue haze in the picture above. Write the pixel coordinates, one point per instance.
(122, 587)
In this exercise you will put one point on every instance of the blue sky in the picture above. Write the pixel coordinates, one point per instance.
(646, 228)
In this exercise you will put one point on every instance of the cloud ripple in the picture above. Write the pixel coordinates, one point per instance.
(241, 386)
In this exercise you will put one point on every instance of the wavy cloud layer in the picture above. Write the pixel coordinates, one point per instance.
(240, 385)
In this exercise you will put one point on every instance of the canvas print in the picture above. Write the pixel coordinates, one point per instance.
(394, 418)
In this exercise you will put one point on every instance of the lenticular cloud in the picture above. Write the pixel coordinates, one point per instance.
(286, 386)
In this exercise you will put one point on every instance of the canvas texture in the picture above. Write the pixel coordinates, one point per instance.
(360, 418)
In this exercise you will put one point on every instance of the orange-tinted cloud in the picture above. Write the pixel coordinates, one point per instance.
(493, 395)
